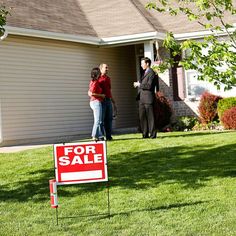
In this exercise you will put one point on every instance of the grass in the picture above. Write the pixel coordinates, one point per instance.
(182, 183)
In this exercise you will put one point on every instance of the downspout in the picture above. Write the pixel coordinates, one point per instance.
(1, 139)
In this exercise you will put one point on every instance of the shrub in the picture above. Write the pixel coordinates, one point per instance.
(214, 125)
(225, 104)
(208, 107)
(162, 111)
(184, 123)
(228, 118)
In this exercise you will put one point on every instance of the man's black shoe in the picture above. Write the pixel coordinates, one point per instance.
(152, 137)
(144, 136)
(109, 139)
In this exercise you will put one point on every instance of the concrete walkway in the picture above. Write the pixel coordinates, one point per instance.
(20, 148)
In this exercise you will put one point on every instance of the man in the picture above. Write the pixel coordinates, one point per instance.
(105, 84)
(146, 95)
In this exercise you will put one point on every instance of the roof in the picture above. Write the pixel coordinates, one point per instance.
(105, 19)
(49, 15)
(179, 24)
(115, 18)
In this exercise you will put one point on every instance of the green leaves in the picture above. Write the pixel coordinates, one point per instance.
(208, 26)
(151, 5)
(214, 59)
(171, 43)
(189, 13)
(208, 16)
(3, 15)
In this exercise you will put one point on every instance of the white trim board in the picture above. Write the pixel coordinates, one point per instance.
(132, 38)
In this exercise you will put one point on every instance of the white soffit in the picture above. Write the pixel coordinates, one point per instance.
(132, 38)
(52, 35)
(109, 40)
(201, 34)
(85, 39)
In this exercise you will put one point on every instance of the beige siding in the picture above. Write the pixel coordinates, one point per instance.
(43, 88)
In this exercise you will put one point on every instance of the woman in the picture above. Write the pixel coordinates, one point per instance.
(96, 98)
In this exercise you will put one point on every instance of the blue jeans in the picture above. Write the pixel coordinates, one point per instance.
(107, 117)
(97, 131)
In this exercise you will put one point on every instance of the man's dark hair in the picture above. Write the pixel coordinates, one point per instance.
(147, 60)
(95, 73)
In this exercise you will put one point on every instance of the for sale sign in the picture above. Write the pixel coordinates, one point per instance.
(80, 162)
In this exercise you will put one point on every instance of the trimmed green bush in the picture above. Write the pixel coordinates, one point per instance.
(228, 118)
(208, 107)
(225, 104)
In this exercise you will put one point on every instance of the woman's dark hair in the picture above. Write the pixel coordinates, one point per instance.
(95, 73)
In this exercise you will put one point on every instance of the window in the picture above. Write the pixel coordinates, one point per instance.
(195, 87)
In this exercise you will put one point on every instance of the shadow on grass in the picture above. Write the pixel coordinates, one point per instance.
(192, 134)
(167, 207)
(35, 189)
(101, 216)
(163, 135)
(189, 166)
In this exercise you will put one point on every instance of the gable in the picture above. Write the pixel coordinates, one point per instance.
(115, 18)
(54, 16)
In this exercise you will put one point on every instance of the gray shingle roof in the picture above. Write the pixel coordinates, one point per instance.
(115, 17)
(99, 18)
(180, 24)
(49, 15)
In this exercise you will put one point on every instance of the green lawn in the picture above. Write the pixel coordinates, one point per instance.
(182, 183)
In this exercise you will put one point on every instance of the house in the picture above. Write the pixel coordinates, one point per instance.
(50, 50)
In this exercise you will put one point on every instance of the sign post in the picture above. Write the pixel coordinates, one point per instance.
(53, 195)
(84, 162)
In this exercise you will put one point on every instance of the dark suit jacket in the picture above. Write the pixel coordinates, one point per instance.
(147, 87)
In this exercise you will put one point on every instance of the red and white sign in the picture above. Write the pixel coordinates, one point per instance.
(80, 162)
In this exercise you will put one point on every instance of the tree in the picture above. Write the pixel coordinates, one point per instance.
(213, 59)
(3, 16)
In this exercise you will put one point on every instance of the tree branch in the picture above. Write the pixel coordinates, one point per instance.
(223, 23)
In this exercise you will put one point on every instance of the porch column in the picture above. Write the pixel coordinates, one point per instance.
(148, 50)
